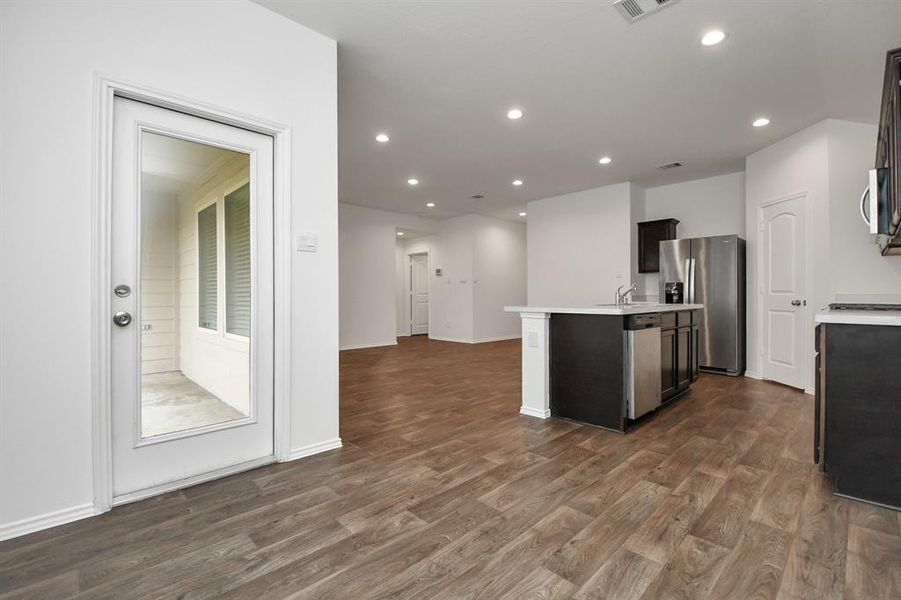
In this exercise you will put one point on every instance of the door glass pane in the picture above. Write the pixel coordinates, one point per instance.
(194, 285)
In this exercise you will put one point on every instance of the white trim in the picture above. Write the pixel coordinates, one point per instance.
(531, 412)
(361, 346)
(753, 375)
(810, 391)
(476, 341)
(316, 448)
(194, 480)
(47, 520)
(105, 90)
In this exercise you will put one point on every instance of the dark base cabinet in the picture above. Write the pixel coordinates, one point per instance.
(857, 435)
(679, 352)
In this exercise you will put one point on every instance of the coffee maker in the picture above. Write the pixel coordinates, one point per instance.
(674, 292)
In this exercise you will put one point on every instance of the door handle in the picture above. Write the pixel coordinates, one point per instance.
(796, 303)
(122, 319)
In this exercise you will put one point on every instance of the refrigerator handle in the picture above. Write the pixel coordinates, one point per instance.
(691, 281)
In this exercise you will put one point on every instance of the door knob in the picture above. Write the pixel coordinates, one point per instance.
(121, 319)
(796, 303)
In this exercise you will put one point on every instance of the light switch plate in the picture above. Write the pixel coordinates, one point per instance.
(307, 241)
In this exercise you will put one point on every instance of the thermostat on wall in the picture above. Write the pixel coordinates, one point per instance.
(439, 271)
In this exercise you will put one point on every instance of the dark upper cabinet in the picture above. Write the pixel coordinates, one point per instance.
(650, 234)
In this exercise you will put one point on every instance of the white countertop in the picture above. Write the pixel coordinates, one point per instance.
(860, 317)
(636, 308)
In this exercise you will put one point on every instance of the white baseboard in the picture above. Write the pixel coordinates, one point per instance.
(500, 338)
(810, 391)
(532, 412)
(315, 449)
(403, 334)
(753, 375)
(45, 521)
(476, 341)
(361, 346)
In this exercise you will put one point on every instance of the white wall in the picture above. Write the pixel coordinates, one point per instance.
(159, 281)
(50, 53)
(368, 273)
(829, 163)
(704, 207)
(402, 321)
(579, 246)
(499, 278)
(856, 268)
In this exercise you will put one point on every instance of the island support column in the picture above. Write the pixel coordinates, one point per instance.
(536, 365)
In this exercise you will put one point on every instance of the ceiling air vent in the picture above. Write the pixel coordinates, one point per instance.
(672, 165)
(476, 197)
(632, 10)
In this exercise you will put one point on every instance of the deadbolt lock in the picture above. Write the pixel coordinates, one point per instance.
(122, 290)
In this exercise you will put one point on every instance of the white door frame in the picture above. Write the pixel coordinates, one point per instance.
(409, 291)
(105, 89)
(808, 286)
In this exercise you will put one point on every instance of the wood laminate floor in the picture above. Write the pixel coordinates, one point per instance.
(442, 491)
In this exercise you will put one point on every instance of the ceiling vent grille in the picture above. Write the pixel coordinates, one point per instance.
(672, 165)
(632, 10)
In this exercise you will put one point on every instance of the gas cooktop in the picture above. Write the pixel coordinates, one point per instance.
(863, 306)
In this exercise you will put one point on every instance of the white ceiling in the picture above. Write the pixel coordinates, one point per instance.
(439, 76)
(172, 165)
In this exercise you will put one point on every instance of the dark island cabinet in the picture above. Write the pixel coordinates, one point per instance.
(668, 355)
(678, 352)
(650, 234)
(857, 430)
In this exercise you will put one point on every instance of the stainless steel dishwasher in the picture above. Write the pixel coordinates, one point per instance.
(641, 358)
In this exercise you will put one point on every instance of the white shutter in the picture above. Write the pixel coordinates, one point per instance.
(237, 261)
(207, 277)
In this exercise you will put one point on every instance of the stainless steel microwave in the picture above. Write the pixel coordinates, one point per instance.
(880, 212)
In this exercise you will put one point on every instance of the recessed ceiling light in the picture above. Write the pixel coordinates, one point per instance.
(430, 204)
(517, 182)
(713, 37)
(522, 214)
(761, 122)
(514, 113)
(382, 138)
(400, 233)
(606, 160)
(412, 181)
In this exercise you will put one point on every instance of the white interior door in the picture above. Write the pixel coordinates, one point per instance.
(192, 333)
(783, 247)
(419, 293)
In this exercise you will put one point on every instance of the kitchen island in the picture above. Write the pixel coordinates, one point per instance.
(606, 365)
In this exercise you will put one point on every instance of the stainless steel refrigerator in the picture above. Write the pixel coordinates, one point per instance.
(712, 271)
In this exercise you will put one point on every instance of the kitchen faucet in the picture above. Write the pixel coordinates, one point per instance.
(623, 297)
